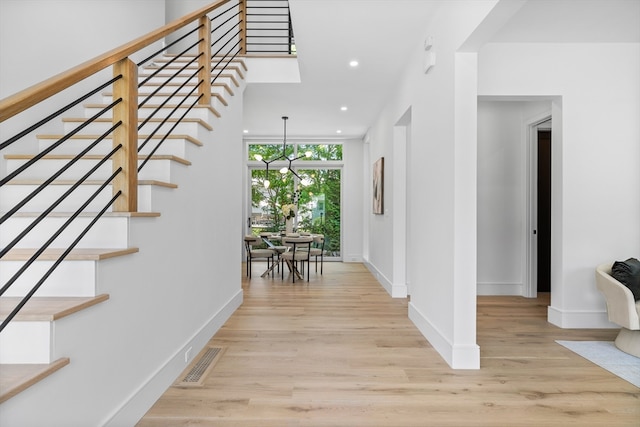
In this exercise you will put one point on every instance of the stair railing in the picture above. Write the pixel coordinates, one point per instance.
(218, 37)
(268, 27)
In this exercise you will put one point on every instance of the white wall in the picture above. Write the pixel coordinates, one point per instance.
(502, 194)
(442, 264)
(41, 38)
(595, 197)
(352, 184)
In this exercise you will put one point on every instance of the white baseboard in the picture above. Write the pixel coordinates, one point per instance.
(393, 289)
(134, 408)
(568, 319)
(457, 356)
(502, 289)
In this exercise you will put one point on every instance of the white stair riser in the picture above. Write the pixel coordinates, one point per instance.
(172, 146)
(195, 113)
(107, 232)
(26, 342)
(74, 278)
(98, 128)
(10, 195)
(155, 169)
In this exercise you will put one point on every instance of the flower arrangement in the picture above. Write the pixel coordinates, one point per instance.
(289, 211)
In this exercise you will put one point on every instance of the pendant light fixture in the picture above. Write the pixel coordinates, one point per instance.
(285, 169)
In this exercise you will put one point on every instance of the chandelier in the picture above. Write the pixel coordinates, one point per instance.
(284, 170)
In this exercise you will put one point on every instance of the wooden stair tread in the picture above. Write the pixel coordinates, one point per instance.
(150, 69)
(94, 157)
(270, 55)
(88, 182)
(233, 78)
(179, 63)
(187, 57)
(47, 309)
(172, 106)
(225, 86)
(140, 120)
(17, 378)
(78, 254)
(147, 93)
(189, 138)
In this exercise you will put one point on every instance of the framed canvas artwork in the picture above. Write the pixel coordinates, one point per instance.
(378, 186)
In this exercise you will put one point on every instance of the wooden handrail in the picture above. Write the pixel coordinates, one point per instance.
(31, 96)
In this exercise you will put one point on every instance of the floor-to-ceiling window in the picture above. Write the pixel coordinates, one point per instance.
(312, 183)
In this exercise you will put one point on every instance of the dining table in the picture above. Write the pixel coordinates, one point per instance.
(269, 239)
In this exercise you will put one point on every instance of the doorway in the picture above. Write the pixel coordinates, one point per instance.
(544, 210)
(539, 216)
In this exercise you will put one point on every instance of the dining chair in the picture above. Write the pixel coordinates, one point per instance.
(252, 253)
(298, 255)
(317, 248)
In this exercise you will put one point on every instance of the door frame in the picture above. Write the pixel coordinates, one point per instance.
(400, 287)
(531, 241)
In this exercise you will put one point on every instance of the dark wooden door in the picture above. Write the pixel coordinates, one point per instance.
(544, 211)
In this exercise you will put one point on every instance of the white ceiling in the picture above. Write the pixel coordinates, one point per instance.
(379, 34)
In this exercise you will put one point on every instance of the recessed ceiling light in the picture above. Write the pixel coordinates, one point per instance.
(338, 131)
(353, 63)
(344, 108)
(245, 131)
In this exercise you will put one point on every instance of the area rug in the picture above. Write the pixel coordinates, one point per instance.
(606, 355)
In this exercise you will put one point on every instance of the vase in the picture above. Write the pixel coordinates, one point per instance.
(289, 226)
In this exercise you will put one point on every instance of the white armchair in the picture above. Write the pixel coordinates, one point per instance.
(621, 308)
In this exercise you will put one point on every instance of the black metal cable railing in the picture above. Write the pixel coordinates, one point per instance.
(50, 209)
(180, 102)
(48, 181)
(167, 79)
(178, 95)
(64, 254)
(53, 115)
(269, 27)
(172, 95)
(53, 146)
(166, 119)
(44, 185)
(166, 135)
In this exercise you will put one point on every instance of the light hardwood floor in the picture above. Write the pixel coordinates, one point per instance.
(338, 351)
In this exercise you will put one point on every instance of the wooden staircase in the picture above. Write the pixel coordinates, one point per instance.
(28, 351)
